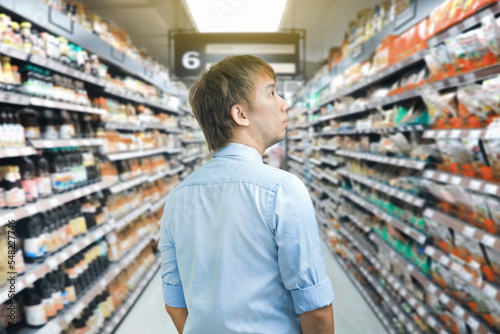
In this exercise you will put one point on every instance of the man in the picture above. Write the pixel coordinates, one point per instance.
(239, 240)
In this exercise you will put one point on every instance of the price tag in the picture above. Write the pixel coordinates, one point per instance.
(470, 77)
(30, 279)
(421, 311)
(444, 260)
(54, 202)
(432, 322)
(444, 298)
(454, 81)
(74, 249)
(474, 133)
(491, 189)
(52, 263)
(453, 30)
(455, 133)
(32, 209)
(443, 177)
(420, 165)
(442, 134)
(456, 180)
(473, 323)
(492, 134)
(475, 185)
(432, 289)
(488, 240)
(490, 291)
(469, 231)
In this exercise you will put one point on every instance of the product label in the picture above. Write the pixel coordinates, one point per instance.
(35, 315)
(79, 174)
(34, 247)
(66, 131)
(49, 307)
(58, 180)
(30, 189)
(50, 132)
(15, 197)
(44, 186)
(88, 159)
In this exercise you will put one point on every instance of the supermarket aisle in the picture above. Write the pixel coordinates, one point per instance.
(149, 316)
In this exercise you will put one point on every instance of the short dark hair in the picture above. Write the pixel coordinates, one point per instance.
(230, 81)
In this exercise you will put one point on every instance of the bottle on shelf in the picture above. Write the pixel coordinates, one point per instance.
(66, 128)
(31, 231)
(43, 180)
(11, 183)
(28, 179)
(29, 122)
(50, 129)
(33, 308)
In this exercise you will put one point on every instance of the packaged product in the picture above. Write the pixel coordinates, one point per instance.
(486, 307)
(437, 58)
(440, 107)
(469, 250)
(473, 44)
(493, 260)
(474, 154)
(492, 149)
(441, 235)
(494, 211)
(491, 33)
(474, 100)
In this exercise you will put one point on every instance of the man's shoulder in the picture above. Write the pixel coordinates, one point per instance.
(263, 175)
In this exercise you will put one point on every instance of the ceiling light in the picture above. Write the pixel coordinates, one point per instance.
(237, 15)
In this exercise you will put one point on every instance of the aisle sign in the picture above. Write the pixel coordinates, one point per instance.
(193, 52)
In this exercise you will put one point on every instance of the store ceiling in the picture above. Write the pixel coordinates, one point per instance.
(148, 21)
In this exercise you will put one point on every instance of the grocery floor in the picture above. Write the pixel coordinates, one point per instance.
(149, 316)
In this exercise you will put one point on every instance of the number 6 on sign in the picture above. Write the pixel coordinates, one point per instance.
(190, 60)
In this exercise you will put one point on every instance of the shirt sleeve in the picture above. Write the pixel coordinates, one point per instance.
(173, 294)
(300, 257)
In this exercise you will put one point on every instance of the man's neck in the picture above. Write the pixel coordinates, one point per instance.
(250, 142)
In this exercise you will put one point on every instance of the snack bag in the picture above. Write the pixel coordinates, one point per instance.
(491, 33)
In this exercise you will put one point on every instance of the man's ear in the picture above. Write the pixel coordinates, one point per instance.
(240, 115)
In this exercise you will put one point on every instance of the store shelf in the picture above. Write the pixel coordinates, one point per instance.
(482, 186)
(470, 231)
(404, 196)
(330, 178)
(329, 162)
(296, 158)
(194, 141)
(327, 207)
(124, 185)
(331, 195)
(120, 313)
(66, 70)
(168, 172)
(43, 205)
(134, 97)
(407, 163)
(438, 256)
(375, 308)
(44, 143)
(121, 222)
(463, 25)
(13, 98)
(315, 174)
(35, 271)
(314, 198)
(61, 25)
(391, 302)
(388, 218)
(476, 325)
(463, 133)
(140, 154)
(421, 308)
(298, 113)
(328, 148)
(358, 223)
(411, 60)
(191, 158)
(316, 187)
(297, 137)
(46, 103)
(158, 204)
(187, 125)
(13, 52)
(315, 161)
(61, 321)
(16, 152)
(296, 148)
(161, 127)
(394, 129)
(123, 126)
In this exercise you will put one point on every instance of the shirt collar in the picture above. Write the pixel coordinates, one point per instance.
(239, 150)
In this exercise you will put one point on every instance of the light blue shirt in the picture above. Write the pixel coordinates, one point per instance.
(240, 248)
